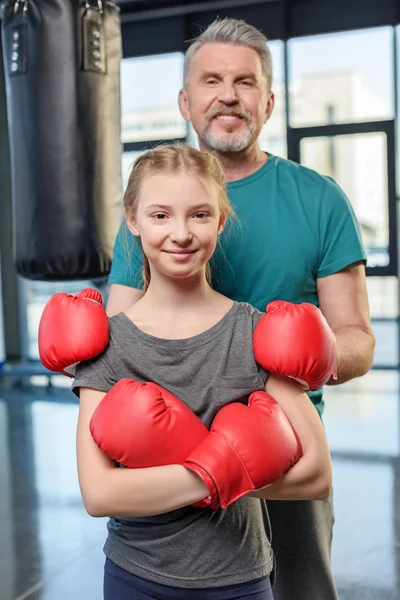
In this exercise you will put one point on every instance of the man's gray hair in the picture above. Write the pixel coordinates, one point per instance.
(236, 32)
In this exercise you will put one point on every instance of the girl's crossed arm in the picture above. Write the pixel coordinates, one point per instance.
(311, 477)
(109, 490)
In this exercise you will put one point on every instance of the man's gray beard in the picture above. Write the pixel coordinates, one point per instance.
(228, 143)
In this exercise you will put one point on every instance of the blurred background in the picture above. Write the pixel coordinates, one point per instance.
(336, 83)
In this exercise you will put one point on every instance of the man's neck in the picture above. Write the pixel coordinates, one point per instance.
(238, 165)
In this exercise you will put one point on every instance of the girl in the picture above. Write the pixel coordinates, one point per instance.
(197, 344)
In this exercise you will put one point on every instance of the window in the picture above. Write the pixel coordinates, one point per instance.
(358, 163)
(273, 135)
(128, 158)
(397, 75)
(149, 98)
(341, 77)
(35, 295)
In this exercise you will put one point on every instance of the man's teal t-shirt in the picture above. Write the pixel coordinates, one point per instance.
(293, 226)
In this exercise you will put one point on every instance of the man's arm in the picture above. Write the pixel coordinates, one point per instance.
(343, 301)
(121, 297)
(125, 278)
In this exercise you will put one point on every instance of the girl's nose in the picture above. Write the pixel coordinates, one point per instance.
(181, 234)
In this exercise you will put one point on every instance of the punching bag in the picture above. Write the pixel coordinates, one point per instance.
(62, 68)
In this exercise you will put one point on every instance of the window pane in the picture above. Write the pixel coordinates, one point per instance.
(386, 353)
(60, 516)
(359, 165)
(35, 295)
(273, 135)
(2, 333)
(149, 98)
(341, 77)
(398, 108)
(56, 479)
(128, 158)
(383, 293)
(383, 296)
(365, 523)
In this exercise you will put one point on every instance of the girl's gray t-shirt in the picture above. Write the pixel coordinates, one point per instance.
(189, 547)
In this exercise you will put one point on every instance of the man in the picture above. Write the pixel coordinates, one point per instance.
(297, 240)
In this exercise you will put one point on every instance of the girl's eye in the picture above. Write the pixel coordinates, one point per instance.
(201, 215)
(159, 216)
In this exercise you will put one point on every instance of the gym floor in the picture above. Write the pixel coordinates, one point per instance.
(52, 550)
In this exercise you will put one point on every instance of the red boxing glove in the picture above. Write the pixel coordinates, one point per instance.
(248, 448)
(295, 340)
(142, 425)
(72, 329)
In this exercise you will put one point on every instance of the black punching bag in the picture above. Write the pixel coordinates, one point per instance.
(62, 66)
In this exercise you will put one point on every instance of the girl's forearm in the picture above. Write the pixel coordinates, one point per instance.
(144, 492)
(309, 479)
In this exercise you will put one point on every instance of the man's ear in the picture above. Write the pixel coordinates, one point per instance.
(131, 222)
(183, 102)
(270, 106)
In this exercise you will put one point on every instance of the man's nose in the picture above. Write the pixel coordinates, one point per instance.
(227, 93)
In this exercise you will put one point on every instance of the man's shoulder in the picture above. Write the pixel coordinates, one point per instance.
(301, 172)
(309, 184)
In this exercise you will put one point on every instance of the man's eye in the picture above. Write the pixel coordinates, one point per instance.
(211, 81)
(246, 82)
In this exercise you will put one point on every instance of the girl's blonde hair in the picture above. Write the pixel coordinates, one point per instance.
(174, 159)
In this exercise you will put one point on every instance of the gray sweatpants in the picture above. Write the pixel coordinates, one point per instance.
(301, 540)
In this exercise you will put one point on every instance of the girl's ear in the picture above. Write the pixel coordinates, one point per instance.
(131, 222)
(222, 223)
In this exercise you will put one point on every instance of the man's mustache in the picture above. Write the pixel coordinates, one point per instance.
(217, 111)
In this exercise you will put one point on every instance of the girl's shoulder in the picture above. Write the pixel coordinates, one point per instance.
(247, 312)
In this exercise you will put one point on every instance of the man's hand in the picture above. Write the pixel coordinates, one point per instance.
(344, 302)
